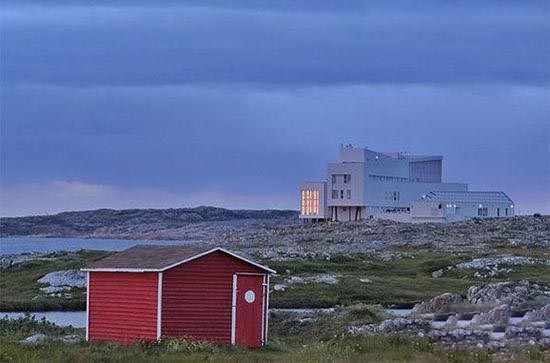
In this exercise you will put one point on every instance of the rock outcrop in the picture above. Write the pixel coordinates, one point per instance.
(63, 280)
(39, 338)
(131, 223)
(497, 316)
(318, 279)
(446, 302)
(513, 293)
(280, 235)
(403, 325)
(496, 261)
(522, 332)
(542, 314)
(390, 326)
(458, 335)
(72, 278)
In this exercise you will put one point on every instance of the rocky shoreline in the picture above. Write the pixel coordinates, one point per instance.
(280, 235)
(484, 324)
(491, 327)
(383, 237)
(177, 223)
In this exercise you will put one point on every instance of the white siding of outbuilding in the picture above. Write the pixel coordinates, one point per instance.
(454, 206)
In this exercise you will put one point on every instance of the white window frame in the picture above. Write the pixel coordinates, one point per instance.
(87, 305)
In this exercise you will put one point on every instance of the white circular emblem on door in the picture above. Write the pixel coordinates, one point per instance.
(249, 296)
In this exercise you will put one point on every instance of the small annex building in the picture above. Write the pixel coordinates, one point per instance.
(151, 292)
(458, 206)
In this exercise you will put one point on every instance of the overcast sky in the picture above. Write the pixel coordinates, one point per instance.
(234, 103)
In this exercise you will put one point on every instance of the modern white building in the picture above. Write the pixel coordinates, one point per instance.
(399, 186)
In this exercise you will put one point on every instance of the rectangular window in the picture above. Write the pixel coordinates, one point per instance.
(347, 178)
(310, 202)
(341, 193)
(498, 212)
(334, 194)
(348, 194)
(482, 212)
(506, 211)
(334, 179)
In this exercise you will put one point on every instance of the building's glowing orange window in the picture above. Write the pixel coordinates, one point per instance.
(310, 202)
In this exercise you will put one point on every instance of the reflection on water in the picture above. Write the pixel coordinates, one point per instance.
(399, 312)
(437, 324)
(497, 335)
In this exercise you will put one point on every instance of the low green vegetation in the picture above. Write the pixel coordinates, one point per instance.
(400, 281)
(322, 341)
(20, 290)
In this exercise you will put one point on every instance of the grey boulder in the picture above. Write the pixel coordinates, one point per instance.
(442, 303)
(70, 278)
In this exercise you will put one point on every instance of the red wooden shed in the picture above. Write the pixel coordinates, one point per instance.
(150, 292)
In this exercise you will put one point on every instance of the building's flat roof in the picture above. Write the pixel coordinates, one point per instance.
(408, 156)
(419, 158)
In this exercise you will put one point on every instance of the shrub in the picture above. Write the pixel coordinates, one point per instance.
(182, 345)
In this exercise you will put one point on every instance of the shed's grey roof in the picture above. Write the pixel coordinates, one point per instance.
(468, 197)
(157, 258)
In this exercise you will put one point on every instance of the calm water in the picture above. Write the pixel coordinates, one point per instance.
(437, 324)
(62, 318)
(399, 311)
(497, 335)
(14, 245)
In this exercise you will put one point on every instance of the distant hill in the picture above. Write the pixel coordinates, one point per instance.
(86, 223)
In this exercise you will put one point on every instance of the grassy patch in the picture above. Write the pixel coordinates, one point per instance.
(286, 328)
(21, 290)
(313, 344)
(399, 282)
(18, 329)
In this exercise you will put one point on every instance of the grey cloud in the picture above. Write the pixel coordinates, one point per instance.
(185, 45)
(230, 140)
(235, 103)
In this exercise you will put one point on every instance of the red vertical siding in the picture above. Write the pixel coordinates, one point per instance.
(123, 306)
(197, 297)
